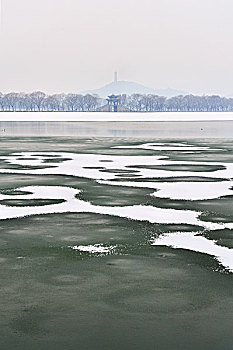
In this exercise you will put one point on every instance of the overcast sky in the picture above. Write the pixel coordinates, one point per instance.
(76, 45)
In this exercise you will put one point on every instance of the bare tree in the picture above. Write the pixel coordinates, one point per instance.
(38, 98)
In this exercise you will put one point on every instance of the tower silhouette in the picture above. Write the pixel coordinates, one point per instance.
(115, 77)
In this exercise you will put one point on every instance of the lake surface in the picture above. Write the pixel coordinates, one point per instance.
(174, 130)
(115, 242)
(159, 125)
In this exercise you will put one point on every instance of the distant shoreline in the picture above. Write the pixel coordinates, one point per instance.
(128, 112)
(115, 117)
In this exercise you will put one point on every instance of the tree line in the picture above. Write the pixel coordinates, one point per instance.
(38, 101)
(188, 103)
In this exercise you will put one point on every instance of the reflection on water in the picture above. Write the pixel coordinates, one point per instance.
(199, 129)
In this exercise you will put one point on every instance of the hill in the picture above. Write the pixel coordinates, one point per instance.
(129, 88)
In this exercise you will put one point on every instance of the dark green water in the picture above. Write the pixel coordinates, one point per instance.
(137, 297)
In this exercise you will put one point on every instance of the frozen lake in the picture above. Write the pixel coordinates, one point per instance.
(100, 235)
(115, 117)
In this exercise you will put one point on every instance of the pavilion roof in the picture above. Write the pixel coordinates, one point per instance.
(113, 96)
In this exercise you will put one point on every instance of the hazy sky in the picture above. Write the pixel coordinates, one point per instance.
(76, 45)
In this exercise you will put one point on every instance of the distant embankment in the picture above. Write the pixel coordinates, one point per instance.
(40, 102)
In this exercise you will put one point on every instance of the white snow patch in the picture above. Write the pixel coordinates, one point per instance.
(191, 241)
(94, 249)
(72, 204)
(181, 190)
(84, 165)
(164, 147)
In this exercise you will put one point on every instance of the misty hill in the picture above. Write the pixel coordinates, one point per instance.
(129, 88)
